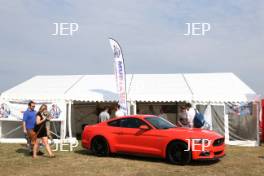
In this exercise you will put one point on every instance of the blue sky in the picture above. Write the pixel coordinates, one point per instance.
(150, 32)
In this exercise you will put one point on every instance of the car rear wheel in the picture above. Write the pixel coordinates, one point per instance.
(177, 153)
(100, 146)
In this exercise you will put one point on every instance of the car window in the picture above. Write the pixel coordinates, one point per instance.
(160, 123)
(114, 123)
(131, 123)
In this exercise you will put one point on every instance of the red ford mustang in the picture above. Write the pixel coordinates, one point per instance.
(152, 135)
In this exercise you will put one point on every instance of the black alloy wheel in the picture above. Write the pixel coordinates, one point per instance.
(100, 146)
(177, 153)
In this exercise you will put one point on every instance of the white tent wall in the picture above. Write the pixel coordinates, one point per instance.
(243, 129)
(246, 135)
(11, 127)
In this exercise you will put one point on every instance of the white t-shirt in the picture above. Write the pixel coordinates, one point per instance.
(103, 116)
(191, 114)
(119, 113)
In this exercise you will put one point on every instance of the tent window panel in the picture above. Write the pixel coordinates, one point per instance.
(218, 122)
(55, 128)
(201, 108)
(12, 129)
(242, 122)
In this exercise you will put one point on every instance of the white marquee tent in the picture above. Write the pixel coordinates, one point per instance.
(211, 92)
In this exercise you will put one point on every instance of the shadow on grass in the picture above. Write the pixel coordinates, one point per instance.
(23, 151)
(147, 158)
(83, 152)
(137, 157)
(204, 163)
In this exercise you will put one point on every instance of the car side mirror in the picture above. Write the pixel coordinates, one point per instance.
(144, 127)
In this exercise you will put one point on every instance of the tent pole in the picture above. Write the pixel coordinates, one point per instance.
(208, 115)
(226, 126)
(258, 104)
(128, 107)
(134, 107)
(65, 122)
(69, 119)
(0, 129)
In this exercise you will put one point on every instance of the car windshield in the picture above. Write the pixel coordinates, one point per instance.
(160, 123)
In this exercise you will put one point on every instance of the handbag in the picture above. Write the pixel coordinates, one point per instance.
(37, 133)
(33, 136)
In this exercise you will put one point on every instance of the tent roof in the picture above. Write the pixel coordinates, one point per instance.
(159, 88)
(213, 87)
(46, 88)
(219, 87)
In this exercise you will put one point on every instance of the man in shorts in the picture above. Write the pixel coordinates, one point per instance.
(29, 120)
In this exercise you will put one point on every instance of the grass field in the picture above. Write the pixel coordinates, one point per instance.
(14, 160)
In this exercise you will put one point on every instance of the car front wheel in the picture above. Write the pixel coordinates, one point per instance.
(178, 153)
(100, 146)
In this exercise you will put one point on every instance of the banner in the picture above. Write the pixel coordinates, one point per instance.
(15, 109)
(120, 74)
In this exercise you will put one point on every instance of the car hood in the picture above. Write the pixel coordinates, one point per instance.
(194, 133)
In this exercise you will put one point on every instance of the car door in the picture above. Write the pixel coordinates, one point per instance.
(115, 134)
(135, 140)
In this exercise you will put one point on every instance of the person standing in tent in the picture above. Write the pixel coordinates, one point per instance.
(104, 115)
(118, 111)
(182, 119)
(190, 113)
(163, 114)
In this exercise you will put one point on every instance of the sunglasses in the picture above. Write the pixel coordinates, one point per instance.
(32, 106)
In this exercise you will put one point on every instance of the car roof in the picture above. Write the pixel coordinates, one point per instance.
(140, 116)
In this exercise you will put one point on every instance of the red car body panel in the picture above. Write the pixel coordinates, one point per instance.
(154, 141)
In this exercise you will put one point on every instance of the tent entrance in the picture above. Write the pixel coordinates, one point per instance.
(242, 121)
(87, 114)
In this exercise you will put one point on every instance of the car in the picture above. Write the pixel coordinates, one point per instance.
(153, 136)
